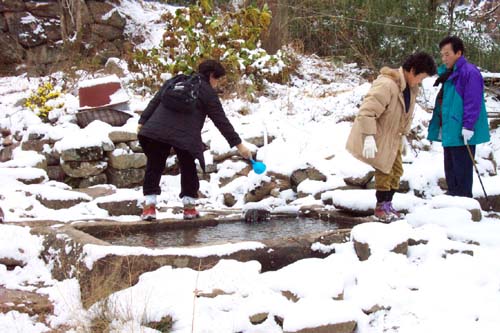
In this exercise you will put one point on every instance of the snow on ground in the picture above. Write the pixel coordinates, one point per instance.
(429, 290)
(426, 291)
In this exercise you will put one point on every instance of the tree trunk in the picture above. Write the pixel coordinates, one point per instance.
(71, 21)
(277, 34)
(451, 15)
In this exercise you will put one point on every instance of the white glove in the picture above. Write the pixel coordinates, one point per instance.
(369, 147)
(467, 134)
(404, 145)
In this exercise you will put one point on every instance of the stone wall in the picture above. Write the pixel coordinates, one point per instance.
(120, 163)
(34, 35)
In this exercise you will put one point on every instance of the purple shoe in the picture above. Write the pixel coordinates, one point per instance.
(394, 211)
(383, 212)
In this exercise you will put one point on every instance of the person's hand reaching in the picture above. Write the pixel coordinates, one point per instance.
(244, 151)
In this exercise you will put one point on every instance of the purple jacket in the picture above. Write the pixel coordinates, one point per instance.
(469, 85)
(462, 106)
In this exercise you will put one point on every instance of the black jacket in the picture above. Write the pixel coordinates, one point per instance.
(183, 129)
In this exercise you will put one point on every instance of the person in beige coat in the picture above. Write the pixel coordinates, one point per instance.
(378, 135)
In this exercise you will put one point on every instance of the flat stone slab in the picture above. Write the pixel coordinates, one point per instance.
(342, 218)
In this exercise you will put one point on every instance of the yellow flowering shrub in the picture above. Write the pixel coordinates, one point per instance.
(39, 103)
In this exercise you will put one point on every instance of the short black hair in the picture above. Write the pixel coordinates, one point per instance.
(210, 66)
(420, 62)
(456, 43)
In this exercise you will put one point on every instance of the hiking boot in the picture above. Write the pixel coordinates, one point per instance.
(383, 212)
(190, 213)
(149, 212)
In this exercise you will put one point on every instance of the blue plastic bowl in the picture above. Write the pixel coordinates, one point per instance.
(258, 167)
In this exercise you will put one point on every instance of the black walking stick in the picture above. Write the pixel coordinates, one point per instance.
(478, 176)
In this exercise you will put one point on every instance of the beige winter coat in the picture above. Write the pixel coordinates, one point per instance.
(383, 115)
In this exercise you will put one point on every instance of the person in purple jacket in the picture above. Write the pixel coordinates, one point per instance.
(459, 118)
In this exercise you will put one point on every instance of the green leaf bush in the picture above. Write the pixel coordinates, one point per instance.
(200, 32)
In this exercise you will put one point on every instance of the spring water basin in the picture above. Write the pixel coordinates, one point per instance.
(222, 232)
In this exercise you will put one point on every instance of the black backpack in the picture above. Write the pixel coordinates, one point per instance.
(181, 92)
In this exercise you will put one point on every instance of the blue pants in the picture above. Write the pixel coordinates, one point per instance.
(458, 170)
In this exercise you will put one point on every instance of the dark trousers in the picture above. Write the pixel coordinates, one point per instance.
(157, 153)
(458, 171)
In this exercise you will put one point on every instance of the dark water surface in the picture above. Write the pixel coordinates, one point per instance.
(224, 232)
